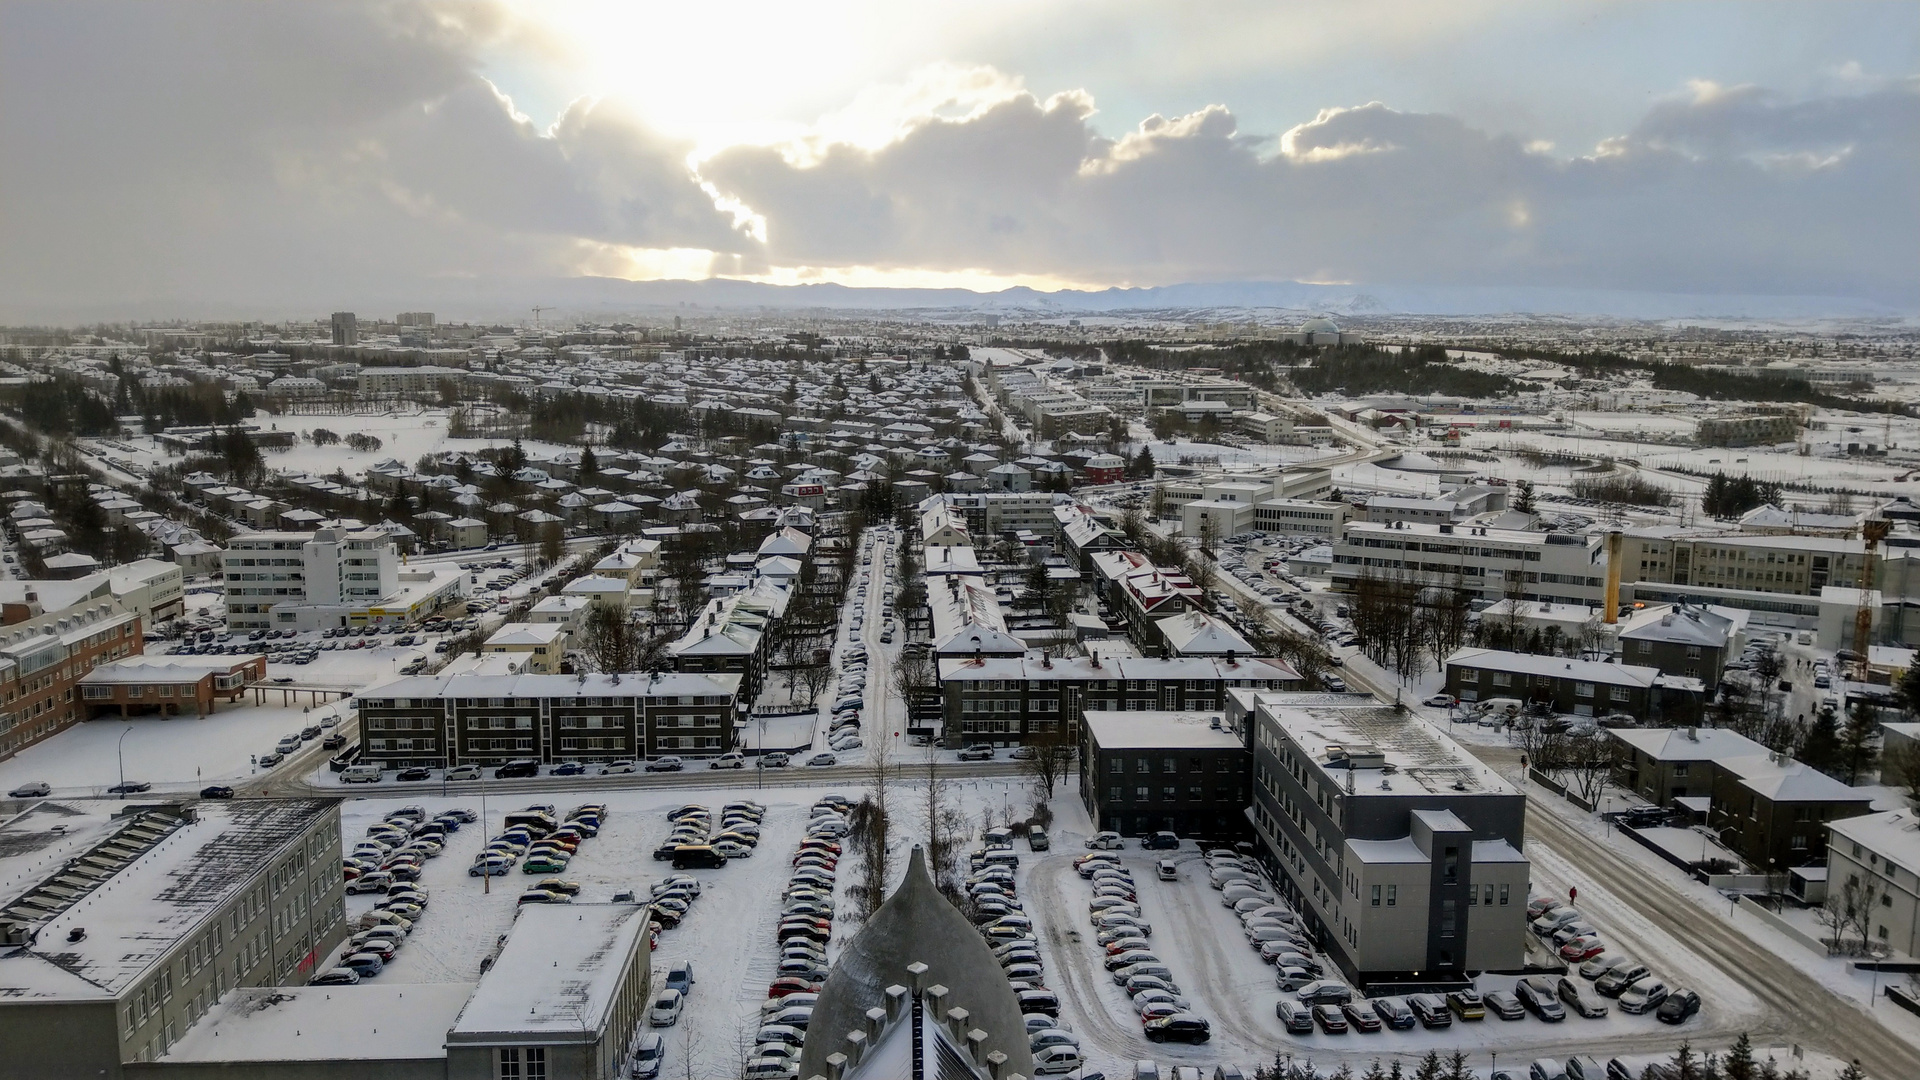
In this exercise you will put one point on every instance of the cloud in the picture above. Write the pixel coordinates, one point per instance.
(304, 154)
(1717, 190)
(299, 155)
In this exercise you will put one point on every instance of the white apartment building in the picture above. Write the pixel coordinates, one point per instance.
(406, 380)
(1879, 856)
(1301, 517)
(1560, 568)
(327, 578)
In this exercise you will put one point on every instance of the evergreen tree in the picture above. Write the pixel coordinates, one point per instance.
(1685, 1066)
(1738, 1064)
(1430, 1067)
(1142, 468)
(1820, 746)
(1394, 1071)
(1523, 497)
(589, 464)
(1908, 687)
(1375, 1072)
(1855, 751)
(1457, 1067)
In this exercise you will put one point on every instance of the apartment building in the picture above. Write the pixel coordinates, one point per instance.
(1773, 811)
(732, 636)
(1142, 593)
(1560, 568)
(121, 925)
(1878, 855)
(992, 514)
(1683, 640)
(1664, 764)
(1577, 687)
(1766, 563)
(1004, 700)
(1400, 850)
(1180, 771)
(445, 720)
(328, 578)
(425, 379)
(540, 646)
(45, 650)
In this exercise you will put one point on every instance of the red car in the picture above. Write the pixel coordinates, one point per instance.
(1582, 948)
(780, 988)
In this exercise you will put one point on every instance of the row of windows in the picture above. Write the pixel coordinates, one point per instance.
(1171, 793)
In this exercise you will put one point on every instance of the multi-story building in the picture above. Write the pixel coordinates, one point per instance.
(733, 636)
(1400, 850)
(445, 720)
(328, 578)
(1664, 764)
(425, 379)
(1184, 772)
(122, 925)
(1681, 640)
(1569, 685)
(541, 646)
(346, 328)
(45, 651)
(1875, 859)
(1800, 565)
(1247, 486)
(1008, 699)
(1561, 568)
(1773, 811)
(1141, 592)
(1301, 517)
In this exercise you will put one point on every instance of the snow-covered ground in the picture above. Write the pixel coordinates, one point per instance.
(179, 754)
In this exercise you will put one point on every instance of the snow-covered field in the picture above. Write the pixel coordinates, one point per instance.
(179, 754)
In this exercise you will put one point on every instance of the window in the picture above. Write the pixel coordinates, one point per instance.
(507, 1064)
(1393, 894)
(1503, 895)
(1450, 865)
(1449, 917)
(1115, 765)
(1376, 896)
(1582, 689)
(1618, 693)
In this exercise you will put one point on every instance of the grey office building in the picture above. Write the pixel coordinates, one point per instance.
(1401, 851)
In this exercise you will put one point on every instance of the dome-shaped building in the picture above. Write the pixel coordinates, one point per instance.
(917, 986)
(1321, 331)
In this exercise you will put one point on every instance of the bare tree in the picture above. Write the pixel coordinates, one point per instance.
(1051, 760)
(814, 677)
(1901, 764)
(609, 638)
(870, 830)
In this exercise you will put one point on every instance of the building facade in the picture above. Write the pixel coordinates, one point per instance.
(1183, 772)
(446, 720)
(155, 913)
(1400, 850)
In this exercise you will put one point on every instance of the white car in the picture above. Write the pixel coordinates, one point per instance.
(666, 1008)
(613, 768)
(1105, 841)
(1056, 1059)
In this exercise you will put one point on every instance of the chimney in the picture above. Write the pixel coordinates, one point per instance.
(876, 1022)
(897, 998)
(836, 1066)
(1616, 541)
(997, 1064)
(858, 1041)
(976, 1042)
(957, 1018)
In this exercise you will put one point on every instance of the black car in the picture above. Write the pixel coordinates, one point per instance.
(1181, 1027)
(1540, 1002)
(1163, 841)
(1641, 817)
(130, 787)
(1678, 1007)
(522, 767)
(216, 791)
(568, 768)
(418, 772)
(333, 742)
(1431, 1009)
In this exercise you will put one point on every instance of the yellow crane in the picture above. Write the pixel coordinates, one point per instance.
(1872, 531)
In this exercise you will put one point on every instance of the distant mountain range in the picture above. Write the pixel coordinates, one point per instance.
(608, 299)
(589, 294)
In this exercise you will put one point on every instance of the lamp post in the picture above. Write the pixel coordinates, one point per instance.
(118, 754)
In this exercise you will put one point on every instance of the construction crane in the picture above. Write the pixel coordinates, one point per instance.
(1872, 531)
(537, 309)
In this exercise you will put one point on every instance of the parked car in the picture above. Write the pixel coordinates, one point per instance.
(336, 976)
(1539, 1000)
(1105, 841)
(1395, 1013)
(1505, 1005)
(1325, 992)
(1643, 996)
(216, 791)
(1161, 841)
(731, 760)
(1680, 1005)
(33, 789)
(666, 1009)
(649, 1050)
(1180, 1027)
(1297, 1018)
(1331, 1020)
(1467, 1004)
(1431, 1010)
(1361, 1015)
(825, 757)
(666, 763)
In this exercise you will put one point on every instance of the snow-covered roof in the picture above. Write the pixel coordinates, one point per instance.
(557, 977)
(1155, 729)
(1688, 744)
(1558, 667)
(1893, 835)
(1197, 633)
(379, 1021)
(1392, 752)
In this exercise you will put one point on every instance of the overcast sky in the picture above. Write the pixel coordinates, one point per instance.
(216, 156)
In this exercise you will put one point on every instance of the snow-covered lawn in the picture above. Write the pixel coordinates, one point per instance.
(179, 754)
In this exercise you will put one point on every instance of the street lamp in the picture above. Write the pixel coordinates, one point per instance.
(121, 756)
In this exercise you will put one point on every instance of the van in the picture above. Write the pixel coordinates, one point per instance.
(697, 857)
(360, 774)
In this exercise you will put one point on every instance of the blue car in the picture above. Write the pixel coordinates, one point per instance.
(568, 768)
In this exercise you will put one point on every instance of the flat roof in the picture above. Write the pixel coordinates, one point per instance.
(372, 1021)
(557, 976)
(1398, 752)
(1154, 729)
(159, 667)
(162, 896)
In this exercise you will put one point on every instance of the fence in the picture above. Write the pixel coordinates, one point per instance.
(1787, 928)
